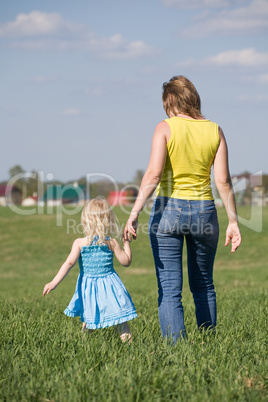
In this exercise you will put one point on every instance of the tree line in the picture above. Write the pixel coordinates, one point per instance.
(32, 183)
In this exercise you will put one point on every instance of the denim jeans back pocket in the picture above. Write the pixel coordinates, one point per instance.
(209, 223)
(169, 220)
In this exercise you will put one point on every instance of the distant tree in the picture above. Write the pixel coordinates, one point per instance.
(246, 174)
(138, 177)
(17, 169)
(265, 183)
(82, 181)
(28, 183)
(20, 181)
(34, 184)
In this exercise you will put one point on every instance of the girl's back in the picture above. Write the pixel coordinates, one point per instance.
(96, 259)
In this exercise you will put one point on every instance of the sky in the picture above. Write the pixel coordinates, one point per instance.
(81, 81)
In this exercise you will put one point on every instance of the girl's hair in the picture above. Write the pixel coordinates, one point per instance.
(99, 220)
(180, 96)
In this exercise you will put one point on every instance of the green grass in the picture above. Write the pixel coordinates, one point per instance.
(44, 355)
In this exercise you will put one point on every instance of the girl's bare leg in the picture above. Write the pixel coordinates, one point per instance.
(84, 328)
(124, 332)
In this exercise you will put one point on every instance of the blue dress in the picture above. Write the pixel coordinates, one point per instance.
(100, 298)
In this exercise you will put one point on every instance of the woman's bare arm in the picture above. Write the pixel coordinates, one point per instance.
(224, 185)
(151, 177)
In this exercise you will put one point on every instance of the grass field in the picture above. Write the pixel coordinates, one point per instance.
(45, 357)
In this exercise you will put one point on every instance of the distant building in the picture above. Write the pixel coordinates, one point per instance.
(118, 198)
(30, 201)
(10, 195)
(63, 194)
(250, 188)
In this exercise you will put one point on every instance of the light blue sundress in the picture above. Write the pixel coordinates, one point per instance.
(100, 298)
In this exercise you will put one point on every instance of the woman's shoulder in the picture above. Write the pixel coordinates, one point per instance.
(163, 130)
(163, 125)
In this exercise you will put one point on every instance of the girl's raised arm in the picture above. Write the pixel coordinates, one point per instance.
(65, 268)
(124, 256)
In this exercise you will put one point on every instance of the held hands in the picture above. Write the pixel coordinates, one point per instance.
(233, 234)
(48, 287)
(131, 227)
(128, 240)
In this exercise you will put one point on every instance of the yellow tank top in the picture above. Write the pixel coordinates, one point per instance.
(191, 150)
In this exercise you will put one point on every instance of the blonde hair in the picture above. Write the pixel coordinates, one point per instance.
(98, 219)
(180, 96)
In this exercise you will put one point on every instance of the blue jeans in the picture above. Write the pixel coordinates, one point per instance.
(171, 221)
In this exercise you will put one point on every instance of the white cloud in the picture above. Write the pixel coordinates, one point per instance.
(104, 86)
(48, 31)
(34, 24)
(246, 58)
(250, 64)
(117, 48)
(263, 78)
(249, 19)
(42, 79)
(72, 112)
(203, 3)
(253, 98)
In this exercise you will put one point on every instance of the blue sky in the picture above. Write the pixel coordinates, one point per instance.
(81, 81)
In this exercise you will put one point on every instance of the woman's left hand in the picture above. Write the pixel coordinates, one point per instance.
(233, 234)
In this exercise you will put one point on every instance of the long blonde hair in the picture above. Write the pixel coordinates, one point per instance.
(180, 96)
(99, 220)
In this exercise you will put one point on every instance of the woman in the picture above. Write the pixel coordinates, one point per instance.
(184, 148)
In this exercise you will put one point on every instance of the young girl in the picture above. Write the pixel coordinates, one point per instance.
(100, 298)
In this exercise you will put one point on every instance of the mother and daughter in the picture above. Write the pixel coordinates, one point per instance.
(184, 148)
